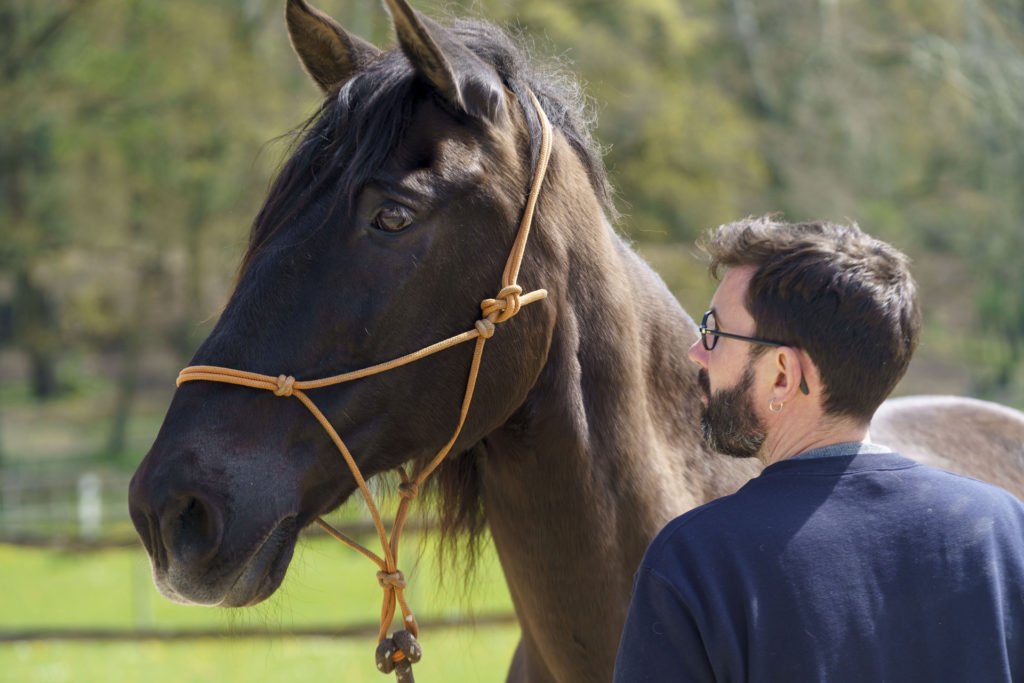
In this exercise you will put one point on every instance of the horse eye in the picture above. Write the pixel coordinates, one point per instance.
(392, 218)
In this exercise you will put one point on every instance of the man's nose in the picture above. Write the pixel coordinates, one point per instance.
(698, 354)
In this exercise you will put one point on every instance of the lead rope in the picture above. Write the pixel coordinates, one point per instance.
(399, 652)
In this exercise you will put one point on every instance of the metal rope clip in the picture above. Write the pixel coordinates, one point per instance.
(398, 653)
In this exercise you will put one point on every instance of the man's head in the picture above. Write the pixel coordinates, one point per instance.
(824, 293)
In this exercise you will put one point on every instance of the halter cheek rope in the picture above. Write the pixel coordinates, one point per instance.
(400, 651)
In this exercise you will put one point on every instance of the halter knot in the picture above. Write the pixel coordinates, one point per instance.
(505, 305)
(511, 296)
(408, 489)
(284, 385)
(485, 327)
(391, 580)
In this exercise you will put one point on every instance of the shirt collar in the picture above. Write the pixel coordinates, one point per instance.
(837, 450)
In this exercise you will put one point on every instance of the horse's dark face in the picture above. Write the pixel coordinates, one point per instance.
(343, 276)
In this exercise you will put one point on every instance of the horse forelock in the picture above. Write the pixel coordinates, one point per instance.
(339, 147)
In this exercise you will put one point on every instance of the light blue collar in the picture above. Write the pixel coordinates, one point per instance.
(838, 450)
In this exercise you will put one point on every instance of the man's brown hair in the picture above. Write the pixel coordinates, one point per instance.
(842, 296)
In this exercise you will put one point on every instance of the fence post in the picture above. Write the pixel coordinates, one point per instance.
(90, 506)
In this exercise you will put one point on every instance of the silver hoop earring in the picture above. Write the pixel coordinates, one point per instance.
(771, 406)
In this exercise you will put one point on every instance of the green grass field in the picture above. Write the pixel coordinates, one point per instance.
(328, 587)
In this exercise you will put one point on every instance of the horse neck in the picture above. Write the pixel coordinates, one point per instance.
(603, 452)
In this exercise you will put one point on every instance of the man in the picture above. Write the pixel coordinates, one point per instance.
(841, 561)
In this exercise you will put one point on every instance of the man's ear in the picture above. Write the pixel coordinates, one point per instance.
(793, 366)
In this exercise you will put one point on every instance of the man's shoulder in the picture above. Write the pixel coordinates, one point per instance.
(707, 525)
(883, 465)
(872, 485)
(981, 494)
(945, 481)
(763, 496)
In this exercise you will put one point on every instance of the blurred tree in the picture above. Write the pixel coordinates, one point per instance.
(987, 62)
(133, 147)
(30, 192)
(907, 116)
(173, 135)
(682, 154)
(129, 169)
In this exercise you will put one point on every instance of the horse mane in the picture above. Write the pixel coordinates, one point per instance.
(353, 133)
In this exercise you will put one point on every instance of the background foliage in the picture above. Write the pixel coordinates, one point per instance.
(137, 138)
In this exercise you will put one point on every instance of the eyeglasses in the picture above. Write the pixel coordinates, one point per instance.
(709, 335)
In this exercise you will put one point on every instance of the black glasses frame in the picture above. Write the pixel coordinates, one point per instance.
(705, 331)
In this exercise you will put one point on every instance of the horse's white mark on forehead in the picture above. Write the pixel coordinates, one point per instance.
(453, 164)
(458, 162)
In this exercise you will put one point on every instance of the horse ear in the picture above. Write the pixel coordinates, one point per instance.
(458, 74)
(329, 52)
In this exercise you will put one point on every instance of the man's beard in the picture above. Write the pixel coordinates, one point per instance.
(728, 423)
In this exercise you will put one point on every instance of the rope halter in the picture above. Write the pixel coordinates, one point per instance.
(402, 648)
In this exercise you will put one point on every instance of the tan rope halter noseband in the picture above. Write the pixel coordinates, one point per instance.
(499, 309)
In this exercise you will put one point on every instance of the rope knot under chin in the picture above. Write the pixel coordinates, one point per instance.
(408, 489)
(391, 580)
(284, 385)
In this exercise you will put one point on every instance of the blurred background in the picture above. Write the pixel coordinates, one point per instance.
(137, 138)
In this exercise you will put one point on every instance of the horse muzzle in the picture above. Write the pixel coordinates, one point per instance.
(200, 555)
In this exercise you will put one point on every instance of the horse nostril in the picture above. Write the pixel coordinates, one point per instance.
(146, 522)
(192, 528)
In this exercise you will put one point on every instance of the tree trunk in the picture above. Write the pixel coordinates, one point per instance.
(36, 333)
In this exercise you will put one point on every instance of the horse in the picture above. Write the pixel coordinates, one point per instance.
(384, 231)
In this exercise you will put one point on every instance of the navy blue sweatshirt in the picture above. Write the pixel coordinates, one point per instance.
(866, 567)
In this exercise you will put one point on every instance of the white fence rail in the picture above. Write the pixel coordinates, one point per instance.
(84, 505)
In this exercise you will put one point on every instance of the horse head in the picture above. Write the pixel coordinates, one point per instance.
(385, 229)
